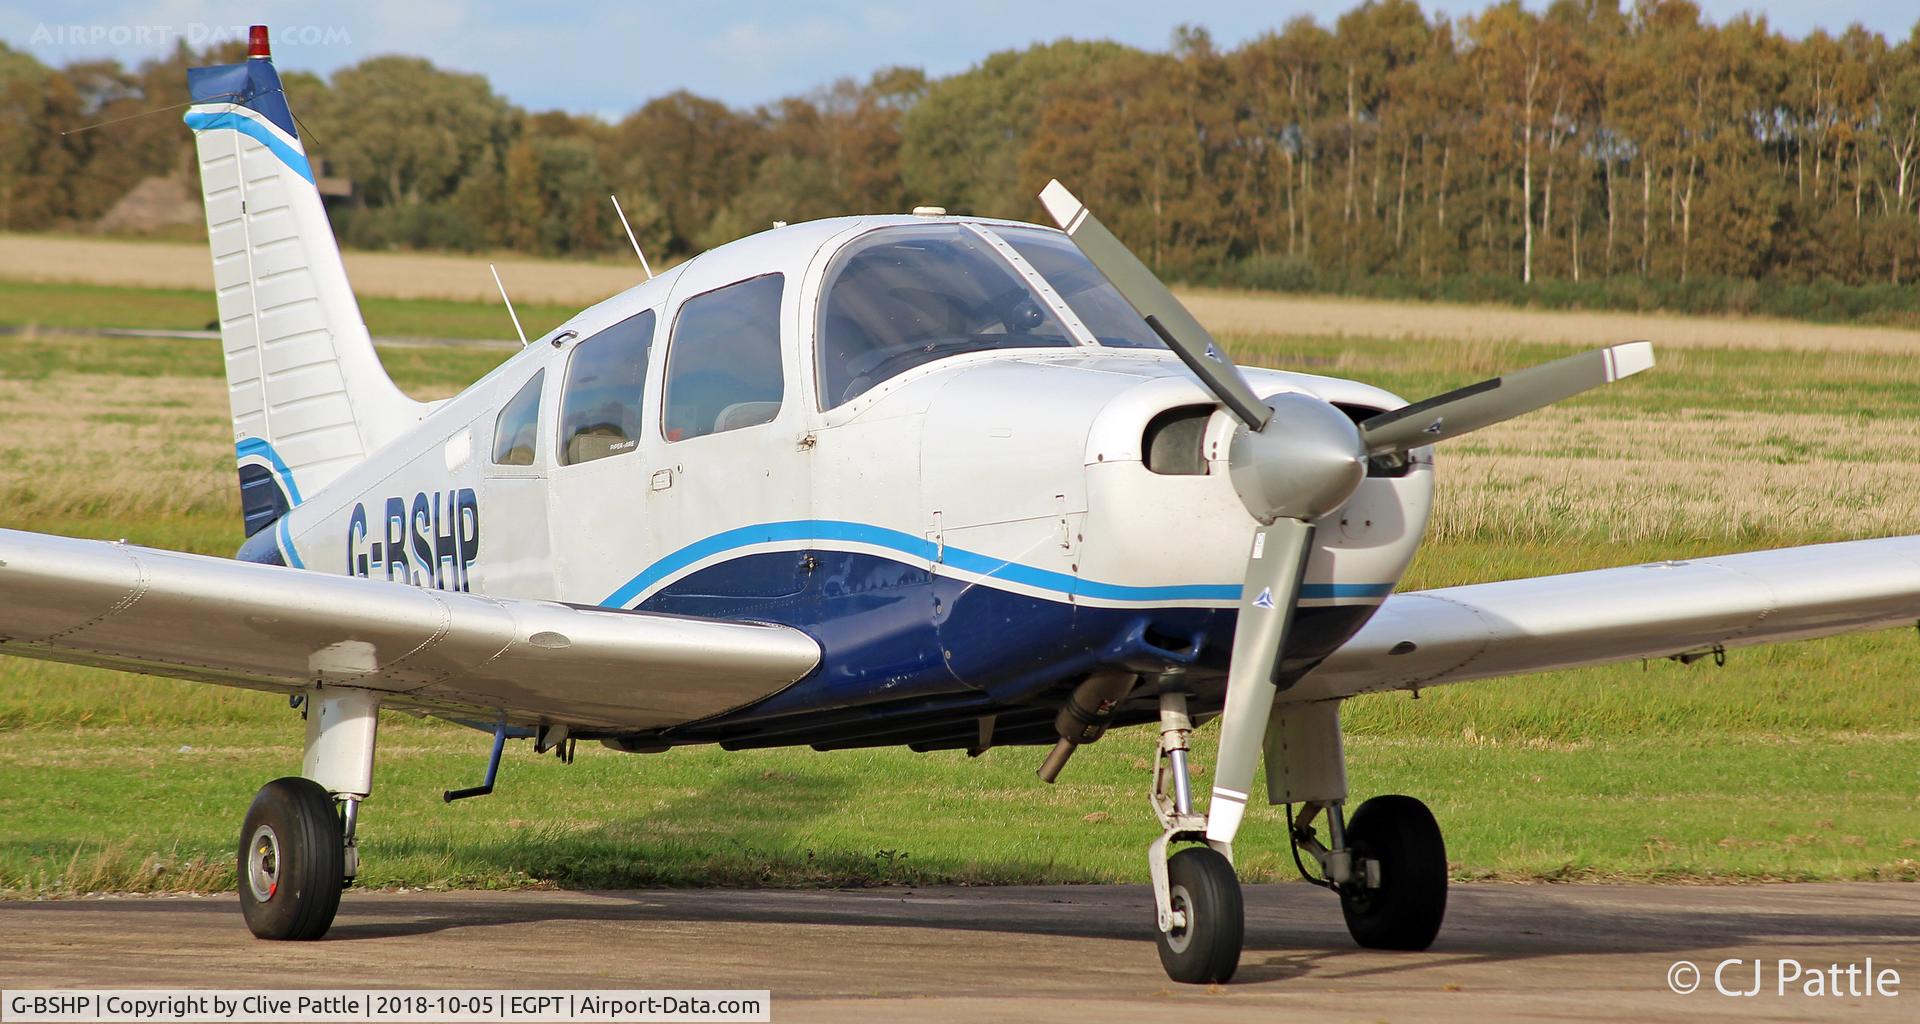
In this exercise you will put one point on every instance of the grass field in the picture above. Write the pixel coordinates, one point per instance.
(104, 282)
(1795, 762)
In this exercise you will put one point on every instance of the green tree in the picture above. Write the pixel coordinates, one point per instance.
(406, 132)
(963, 141)
(691, 153)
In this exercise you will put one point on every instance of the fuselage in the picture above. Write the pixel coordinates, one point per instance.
(964, 532)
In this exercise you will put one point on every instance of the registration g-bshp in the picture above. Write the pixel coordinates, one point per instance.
(386, 1006)
(1738, 977)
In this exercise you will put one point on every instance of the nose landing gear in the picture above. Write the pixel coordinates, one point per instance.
(1204, 946)
(1200, 912)
(1388, 864)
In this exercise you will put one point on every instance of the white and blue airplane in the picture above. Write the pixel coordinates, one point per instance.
(929, 481)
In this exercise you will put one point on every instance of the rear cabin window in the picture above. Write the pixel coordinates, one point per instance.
(606, 377)
(899, 297)
(1094, 299)
(518, 429)
(723, 364)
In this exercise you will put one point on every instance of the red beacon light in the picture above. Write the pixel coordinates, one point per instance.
(257, 42)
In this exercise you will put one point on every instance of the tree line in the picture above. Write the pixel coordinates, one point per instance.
(1588, 142)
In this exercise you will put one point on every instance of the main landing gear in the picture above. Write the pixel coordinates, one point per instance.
(1388, 864)
(297, 846)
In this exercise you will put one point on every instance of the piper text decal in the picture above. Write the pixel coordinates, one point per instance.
(428, 542)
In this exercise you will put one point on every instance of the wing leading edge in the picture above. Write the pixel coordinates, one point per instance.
(1643, 611)
(265, 627)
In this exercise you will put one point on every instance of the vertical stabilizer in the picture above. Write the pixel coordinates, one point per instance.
(309, 395)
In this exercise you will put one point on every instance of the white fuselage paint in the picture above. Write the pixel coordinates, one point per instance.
(1015, 469)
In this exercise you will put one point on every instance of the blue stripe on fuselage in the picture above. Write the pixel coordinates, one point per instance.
(895, 634)
(286, 545)
(288, 155)
(825, 532)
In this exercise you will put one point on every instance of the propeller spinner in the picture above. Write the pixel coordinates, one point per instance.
(1294, 459)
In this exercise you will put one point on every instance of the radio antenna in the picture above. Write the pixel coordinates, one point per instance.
(509, 302)
(636, 242)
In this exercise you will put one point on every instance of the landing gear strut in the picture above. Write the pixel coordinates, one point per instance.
(297, 846)
(1200, 913)
(1388, 864)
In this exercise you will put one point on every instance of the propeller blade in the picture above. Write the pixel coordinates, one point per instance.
(1278, 561)
(1151, 299)
(1502, 398)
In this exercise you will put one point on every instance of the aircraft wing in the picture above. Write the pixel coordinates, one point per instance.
(1643, 611)
(266, 627)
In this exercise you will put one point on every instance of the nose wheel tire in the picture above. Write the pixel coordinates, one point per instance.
(1399, 833)
(292, 861)
(1204, 948)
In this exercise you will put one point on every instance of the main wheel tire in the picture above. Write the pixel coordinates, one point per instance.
(292, 860)
(1405, 912)
(1206, 950)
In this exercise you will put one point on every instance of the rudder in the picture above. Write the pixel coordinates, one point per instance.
(308, 393)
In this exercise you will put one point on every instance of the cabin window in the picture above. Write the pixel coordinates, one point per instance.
(899, 297)
(1093, 298)
(723, 365)
(518, 428)
(606, 377)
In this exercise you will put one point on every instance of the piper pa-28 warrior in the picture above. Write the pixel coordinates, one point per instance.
(932, 481)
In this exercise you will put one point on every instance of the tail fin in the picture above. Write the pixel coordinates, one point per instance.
(309, 395)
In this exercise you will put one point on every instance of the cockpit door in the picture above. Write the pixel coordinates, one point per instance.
(729, 496)
(602, 449)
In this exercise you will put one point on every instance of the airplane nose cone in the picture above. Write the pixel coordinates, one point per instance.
(1304, 464)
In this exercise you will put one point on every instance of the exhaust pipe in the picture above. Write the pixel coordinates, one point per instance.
(1085, 717)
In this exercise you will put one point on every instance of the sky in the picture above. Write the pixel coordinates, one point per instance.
(607, 57)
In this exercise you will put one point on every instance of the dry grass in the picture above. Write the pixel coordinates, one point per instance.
(392, 275)
(121, 868)
(154, 264)
(88, 445)
(1260, 313)
(1703, 475)
(102, 454)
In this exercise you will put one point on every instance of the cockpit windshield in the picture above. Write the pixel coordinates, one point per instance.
(899, 297)
(1093, 298)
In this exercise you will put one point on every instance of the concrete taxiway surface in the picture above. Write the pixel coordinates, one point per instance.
(1054, 953)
